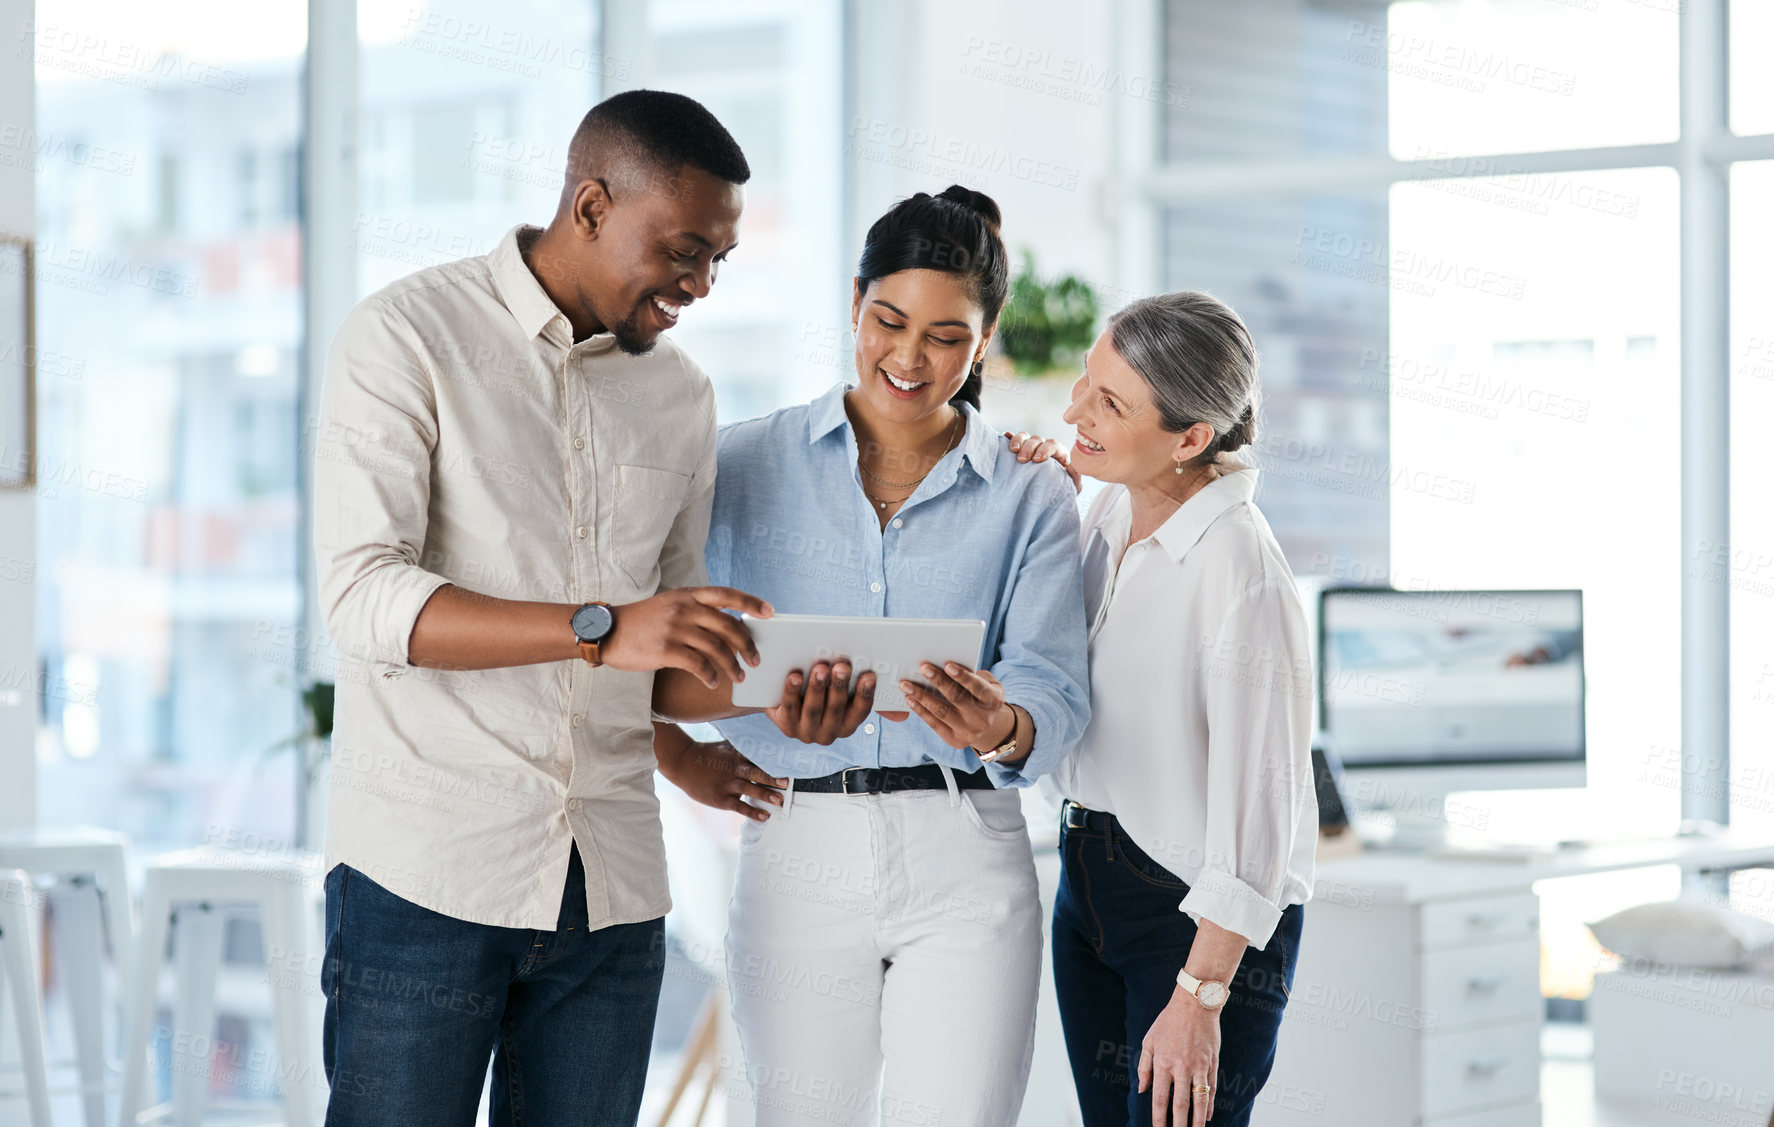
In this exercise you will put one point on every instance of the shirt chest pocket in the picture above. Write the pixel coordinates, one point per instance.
(647, 504)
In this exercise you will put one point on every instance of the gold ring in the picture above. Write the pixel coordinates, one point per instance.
(1201, 1089)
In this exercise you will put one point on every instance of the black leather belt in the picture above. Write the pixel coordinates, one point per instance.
(887, 780)
(1076, 817)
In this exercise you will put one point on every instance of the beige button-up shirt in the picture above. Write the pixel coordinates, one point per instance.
(464, 438)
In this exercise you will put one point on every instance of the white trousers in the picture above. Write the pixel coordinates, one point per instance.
(884, 956)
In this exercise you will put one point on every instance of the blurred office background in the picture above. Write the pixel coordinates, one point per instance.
(1459, 230)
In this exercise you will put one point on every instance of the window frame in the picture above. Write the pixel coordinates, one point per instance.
(1702, 155)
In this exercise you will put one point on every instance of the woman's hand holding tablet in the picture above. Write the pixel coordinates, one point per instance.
(963, 707)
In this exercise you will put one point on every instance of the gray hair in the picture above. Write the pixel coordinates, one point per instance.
(1198, 359)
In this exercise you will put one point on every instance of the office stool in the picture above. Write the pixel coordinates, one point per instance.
(90, 906)
(18, 970)
(199, 888)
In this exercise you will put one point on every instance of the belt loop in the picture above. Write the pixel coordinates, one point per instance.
(788, 797)
(948, 776)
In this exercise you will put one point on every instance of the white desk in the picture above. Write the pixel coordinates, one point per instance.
(1416, 1000)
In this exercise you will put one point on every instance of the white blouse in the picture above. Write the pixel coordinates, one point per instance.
(1201, 703)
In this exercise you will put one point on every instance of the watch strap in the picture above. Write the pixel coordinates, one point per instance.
(1008, 747)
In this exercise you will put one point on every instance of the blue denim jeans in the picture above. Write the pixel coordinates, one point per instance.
(418, 1001)
(1118, 942)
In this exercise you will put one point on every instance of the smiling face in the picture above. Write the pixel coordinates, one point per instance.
(1120, 435)
(918, 332)
(651, 252)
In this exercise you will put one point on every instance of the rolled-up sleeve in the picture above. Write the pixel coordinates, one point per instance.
(1257, 696)
(372, 449)
(1043, 657)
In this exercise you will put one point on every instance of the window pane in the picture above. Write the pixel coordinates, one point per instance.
(169, 317)
(467, 108)
(1309, 278)
(770, 73)
(1752, 82)
(1511, 76)
(1749, 565)
(1534, 362)
(1259, 81)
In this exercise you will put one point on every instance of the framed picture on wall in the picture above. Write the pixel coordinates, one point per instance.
(18, 355)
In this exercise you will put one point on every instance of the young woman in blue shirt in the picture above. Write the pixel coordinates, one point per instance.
(884, 940)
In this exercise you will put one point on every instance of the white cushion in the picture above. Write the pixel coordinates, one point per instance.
(1684, 933)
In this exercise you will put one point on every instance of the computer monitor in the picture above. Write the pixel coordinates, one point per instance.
(1424, 693)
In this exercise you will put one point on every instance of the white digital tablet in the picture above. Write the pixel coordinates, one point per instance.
(892, 647)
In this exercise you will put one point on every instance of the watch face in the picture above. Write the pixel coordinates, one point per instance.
(1212, 995)
(591, 622)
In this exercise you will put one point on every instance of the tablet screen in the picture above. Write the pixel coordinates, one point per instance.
(892, 647)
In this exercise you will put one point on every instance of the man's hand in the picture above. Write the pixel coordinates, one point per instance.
(1181, 1052)
(716, 775)
(827, 711)
(686, 629)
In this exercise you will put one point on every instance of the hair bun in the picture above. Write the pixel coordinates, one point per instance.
(1243, 432)
(978, 202)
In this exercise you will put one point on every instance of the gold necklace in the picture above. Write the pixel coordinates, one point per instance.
(954, 437)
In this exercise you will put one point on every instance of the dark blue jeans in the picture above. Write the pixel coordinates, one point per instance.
(418, 1001)
(1118, 942)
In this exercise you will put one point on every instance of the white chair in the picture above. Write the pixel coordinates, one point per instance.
(18, 969)
(90, 907)
(199, 888)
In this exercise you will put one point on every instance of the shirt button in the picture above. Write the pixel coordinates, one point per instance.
(572, 804)
(577, 720)
(868, 729)
(875, 587)
(580, 532)
(578, 444)
(898, 523)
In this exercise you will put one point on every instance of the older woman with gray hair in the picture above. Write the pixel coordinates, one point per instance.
(1189, 824)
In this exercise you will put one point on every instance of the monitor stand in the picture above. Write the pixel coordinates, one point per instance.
(1443, 828)
(1400, 831)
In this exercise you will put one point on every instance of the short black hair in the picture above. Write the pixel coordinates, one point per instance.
(655, 131)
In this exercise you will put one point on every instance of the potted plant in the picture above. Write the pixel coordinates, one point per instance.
(1046, 327)
(312, 744)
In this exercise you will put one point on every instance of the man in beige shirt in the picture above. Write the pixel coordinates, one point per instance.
(512, 490)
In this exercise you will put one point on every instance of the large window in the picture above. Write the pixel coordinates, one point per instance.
(1747, 564)
(1473, 361)
(168, 319)
(1306, 270)
(466, 108)
(770, 71)
(1533, 361)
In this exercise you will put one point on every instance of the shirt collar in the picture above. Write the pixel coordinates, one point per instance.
(530, 305)
(1185, 526)
(979, 446)
(826, 413)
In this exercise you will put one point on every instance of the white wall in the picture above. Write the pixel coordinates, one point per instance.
(18, 649)
(1048, 106)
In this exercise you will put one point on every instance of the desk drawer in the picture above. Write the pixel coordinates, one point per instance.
(1491, 982)
(1484, 919)
(1498, 1064)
